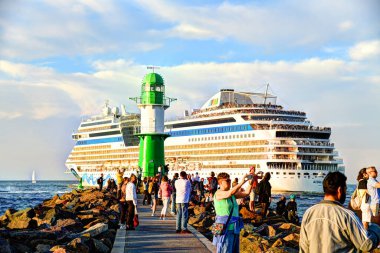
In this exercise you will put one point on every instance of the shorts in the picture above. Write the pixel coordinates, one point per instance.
(252, 195)
(375, 209)
(366, 212)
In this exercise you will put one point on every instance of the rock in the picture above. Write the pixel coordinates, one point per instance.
(42, 248)
(36, 242)
(290, 227)
(65, 223)
(270, 231)
(4, 246)
(49, 217)
(248, 246)
(50, 202)
(79, 245)
(115, 208)
(20, 247)
(100, 246)
(91, 196)
(85, 216)
(22, 223)
(278, 243)
(293, 239)
(199, 209)
(96, 229)
(247, 214)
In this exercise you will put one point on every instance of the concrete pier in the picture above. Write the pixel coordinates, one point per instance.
(155, 235)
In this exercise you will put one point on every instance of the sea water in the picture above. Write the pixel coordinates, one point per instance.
(22, 194)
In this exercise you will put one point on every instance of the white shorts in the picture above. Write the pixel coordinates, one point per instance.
(366, 212)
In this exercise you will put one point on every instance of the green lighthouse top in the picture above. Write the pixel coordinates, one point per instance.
(153, 78)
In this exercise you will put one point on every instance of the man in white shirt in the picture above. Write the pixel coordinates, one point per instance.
(183, 190)
(131, 200)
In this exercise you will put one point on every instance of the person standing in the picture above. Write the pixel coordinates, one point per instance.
(364, 196)
(225, 202)
(255, 182)
(131, 200)
(166, 191)
(119, 179)
(183, 190)
(174, 194)
(265, 194)
(330, 227)
(100, 182)
(122, 203)
(212, 185)
(373, 189)
(146, 193)
(155, 190)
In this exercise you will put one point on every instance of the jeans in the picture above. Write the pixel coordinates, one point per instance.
(182, 216)
(130, 213)
(123, 211)
(173, 208)
(165, 202)
(230, 244)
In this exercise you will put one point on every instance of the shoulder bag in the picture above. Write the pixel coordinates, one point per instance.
(220, 228)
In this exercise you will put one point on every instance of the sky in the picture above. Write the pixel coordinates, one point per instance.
(61, 59)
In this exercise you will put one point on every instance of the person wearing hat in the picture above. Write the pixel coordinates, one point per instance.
(291, 207)
(255, 181)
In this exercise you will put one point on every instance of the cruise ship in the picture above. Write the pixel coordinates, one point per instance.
(231, 132)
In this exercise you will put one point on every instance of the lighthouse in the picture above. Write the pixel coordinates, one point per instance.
(152, 104)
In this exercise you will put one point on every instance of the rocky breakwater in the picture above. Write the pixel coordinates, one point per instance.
(272, 234)
(80, 221)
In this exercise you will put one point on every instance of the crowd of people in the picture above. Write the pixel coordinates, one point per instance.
(327, 226)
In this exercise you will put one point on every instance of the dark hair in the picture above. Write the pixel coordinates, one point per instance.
(267, 176)
(361, 174)
(176, 175)
(333, 181)
(165, 178)
(223, 175)
(183, 174)
(212, 174)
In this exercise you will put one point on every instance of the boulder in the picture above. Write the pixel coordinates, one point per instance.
(278, 243)
(43, 248)
(270, 231)
(50, 202)
(36, 242)
(4, 246)
(115, 207)
(293, 239)
(199, 209)
(95, 230)
(49, 217)
(91, 196)
(246, 214)
(79, 245)
(20, 247)
(22, 223)
(100, 246)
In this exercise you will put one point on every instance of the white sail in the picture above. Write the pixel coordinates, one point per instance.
(34, 177)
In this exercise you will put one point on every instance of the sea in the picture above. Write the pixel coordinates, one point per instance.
(22, 194)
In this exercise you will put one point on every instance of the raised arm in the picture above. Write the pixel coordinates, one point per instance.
(245, 193)
(219, 195)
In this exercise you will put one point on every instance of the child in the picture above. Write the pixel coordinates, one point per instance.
(291, 207)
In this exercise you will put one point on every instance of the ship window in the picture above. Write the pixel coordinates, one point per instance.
(284, 173)
(277, 173)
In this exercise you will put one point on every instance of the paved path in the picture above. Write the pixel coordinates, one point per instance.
(155, 235)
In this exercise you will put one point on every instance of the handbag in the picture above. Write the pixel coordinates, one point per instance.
(136, 221)
(356, 200)
(220, 228)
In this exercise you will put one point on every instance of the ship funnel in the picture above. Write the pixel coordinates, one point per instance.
(123, 110)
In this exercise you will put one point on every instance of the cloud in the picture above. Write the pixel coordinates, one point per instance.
(366, 50)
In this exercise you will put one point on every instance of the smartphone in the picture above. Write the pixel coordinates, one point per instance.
(249, 177)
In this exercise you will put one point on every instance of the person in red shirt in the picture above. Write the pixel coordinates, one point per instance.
(255, 181)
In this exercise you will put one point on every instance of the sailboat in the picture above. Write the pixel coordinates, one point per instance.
(34, 177)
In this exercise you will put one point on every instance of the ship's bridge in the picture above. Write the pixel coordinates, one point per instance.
(232, 97)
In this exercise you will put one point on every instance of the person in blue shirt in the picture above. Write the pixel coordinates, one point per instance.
(373, 187)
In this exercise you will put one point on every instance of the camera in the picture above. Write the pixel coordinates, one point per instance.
(249, 177)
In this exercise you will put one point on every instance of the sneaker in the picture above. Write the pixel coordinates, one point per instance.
(185, 231)
(152, 214)
(164, 218)
(160, 217)
(178, 231)
(122, 226)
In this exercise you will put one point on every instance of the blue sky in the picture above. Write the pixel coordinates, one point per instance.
(59, 61)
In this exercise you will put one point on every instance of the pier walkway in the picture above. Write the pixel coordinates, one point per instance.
(155, 235)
